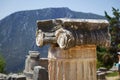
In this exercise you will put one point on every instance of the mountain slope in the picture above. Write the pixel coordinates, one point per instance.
(17, 33)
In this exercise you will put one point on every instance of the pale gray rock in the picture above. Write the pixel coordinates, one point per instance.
(16, 77)
(3, 76)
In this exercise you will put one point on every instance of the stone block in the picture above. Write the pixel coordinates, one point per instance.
(102, 69)
(40, 73)
(101, 76)
(29, 75)
(16, 77)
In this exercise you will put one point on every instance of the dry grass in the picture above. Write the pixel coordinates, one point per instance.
(113, 78)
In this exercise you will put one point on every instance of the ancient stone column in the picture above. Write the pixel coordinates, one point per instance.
(32, 60)
(72, 55)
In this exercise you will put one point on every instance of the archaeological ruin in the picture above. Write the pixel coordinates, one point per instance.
(36, 67)
(72, 54)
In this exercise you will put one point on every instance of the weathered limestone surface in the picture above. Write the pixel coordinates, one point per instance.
(31, 61)
(77, 63)
(72, 55)
(68, 33)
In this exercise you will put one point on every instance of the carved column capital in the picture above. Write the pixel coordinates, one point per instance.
(39, 37)
(65, 38)
(69, 33)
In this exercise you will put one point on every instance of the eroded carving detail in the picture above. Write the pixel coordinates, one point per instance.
(70, 33)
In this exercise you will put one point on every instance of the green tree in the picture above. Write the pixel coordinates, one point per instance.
(107, 60)
(104, 59)
(114, 29)
(2, 64)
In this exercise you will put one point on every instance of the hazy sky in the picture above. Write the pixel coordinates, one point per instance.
(94, 6)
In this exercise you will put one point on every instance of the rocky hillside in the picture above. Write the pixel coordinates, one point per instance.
(17, 33)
